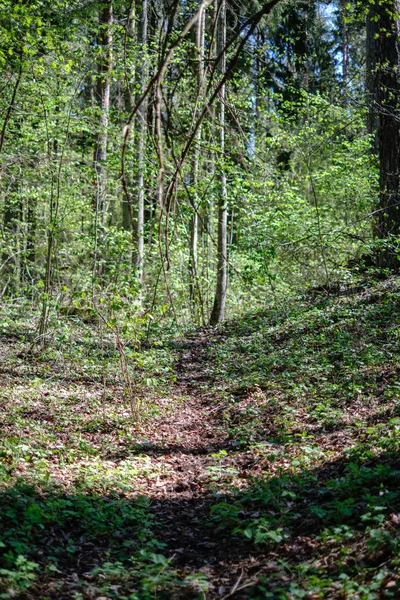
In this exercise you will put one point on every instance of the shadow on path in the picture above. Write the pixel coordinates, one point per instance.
(70, 534)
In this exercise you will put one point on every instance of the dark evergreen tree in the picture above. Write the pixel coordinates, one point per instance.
(384, 83)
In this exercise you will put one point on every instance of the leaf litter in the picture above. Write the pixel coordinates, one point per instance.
(268, 469)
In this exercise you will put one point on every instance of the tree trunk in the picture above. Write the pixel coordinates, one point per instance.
(29, 256)
(345, 51)
(10, 227)
(130, 78)
(218, 311)
(104, 66)
(386, 77)
(371, 70)
(194, 222)
(142, 145)
(30, 235)
(10, 217)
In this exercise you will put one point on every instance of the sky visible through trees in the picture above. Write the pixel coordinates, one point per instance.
(115, 150)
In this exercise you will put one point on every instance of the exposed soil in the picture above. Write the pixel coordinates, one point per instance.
(186, 441)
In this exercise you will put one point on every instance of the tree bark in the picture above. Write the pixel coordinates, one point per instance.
(142, 145)
(371, 70)
(218, 311)
(11, 220)
(103, 87)
(386, 77)
(130, 73)
(345, 50)
(194, 222)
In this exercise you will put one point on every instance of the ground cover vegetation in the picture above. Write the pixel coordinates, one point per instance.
(199, 299)
(266, 464)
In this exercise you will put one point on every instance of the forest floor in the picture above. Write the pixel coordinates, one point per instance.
(265, 466)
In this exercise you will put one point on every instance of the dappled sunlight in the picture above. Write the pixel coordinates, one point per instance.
(234, 473)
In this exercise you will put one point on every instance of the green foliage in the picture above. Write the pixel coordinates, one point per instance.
(20, 578)
(298, 226)
(301, 179)
(309, 390)
(306, 391)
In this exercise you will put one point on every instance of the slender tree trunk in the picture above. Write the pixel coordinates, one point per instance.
(10, 227)
(142, 145)
(211, 246)
(371, 82)
(193, 258)
(130, 73)
(305, 67)
(10, 106)
(54, 205)
(28, 256)
(10, 216)
(104, 66)
(194, 222)
(256, 121)
(210, 223)
(345, 50)
(30, 239)
(218, 311)
(386, 76)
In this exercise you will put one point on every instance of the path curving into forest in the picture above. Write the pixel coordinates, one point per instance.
(190, 442)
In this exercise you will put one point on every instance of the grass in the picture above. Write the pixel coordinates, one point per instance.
(314, 395)
(272, 473)
(75, 521)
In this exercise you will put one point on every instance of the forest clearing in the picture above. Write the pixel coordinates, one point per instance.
(199, 299)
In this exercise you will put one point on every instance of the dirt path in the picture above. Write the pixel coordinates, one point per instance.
(194, 447)
(184, 459)
(248, 480)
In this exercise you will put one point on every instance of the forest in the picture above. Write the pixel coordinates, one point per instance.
(199, 299)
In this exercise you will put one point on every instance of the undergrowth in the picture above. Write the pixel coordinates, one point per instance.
(313, 393)
(302, 494)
